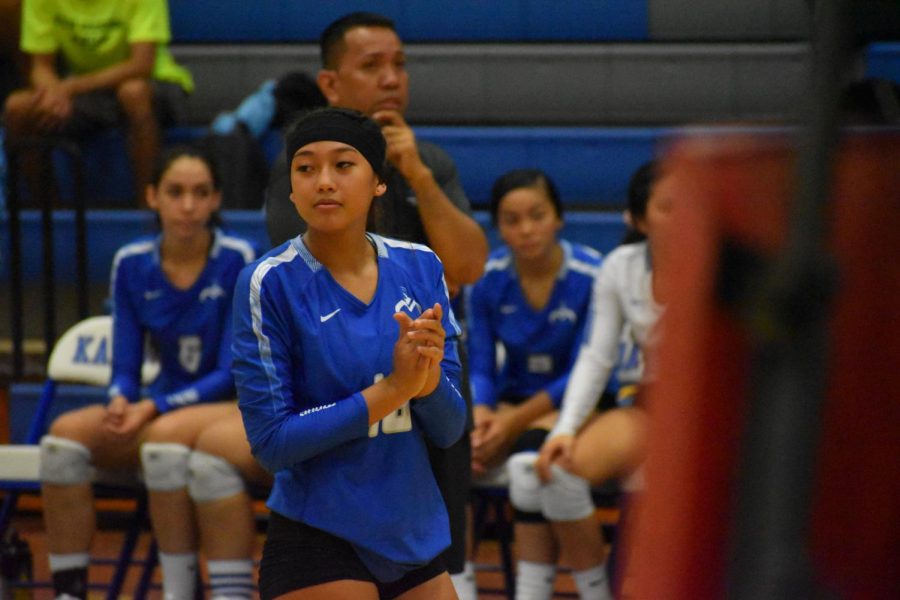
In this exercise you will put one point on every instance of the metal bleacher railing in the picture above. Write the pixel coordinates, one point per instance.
(43, 197)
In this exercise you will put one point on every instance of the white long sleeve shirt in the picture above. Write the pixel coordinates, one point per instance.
(622, 296)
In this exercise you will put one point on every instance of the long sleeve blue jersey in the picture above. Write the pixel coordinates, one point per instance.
(189, 330)
(539, 345)
(304, 349)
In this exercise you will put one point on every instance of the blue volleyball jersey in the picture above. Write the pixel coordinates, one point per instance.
(304, 349)
(189, 330)
(539, 345)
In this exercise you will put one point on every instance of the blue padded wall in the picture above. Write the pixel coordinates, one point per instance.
(591, 165)
(883, 61)
(108, 230)
(223, 21)
(24, 399)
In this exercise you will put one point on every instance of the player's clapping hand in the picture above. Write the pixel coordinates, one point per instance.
(428, 333)
(410, 366)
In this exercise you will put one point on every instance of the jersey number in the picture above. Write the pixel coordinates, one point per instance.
(189, 352)
(398, 421)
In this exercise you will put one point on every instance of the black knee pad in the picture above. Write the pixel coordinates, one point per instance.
(531, 440)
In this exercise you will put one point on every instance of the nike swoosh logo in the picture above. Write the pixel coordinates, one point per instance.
(323, 318)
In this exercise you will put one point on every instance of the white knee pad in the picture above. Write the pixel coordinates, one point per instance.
(165, 466)
(212, 478)
(524, 485)
(566, 497)
(64, 462)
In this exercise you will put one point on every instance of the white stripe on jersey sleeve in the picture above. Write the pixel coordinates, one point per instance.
(132, 249)
(239, 245)
(391, 242)
(265, 347)
(579, 266)
(498, 264)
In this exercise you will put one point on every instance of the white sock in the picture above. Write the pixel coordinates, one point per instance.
(534, 581)
(63, 562)
(592, 584)
(464, 583)
(231, 579)
(179, 575)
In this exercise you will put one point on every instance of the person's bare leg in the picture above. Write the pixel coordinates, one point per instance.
(136, 99)
(338, 590)
(33, 163)
(227, 525)
(69, 517)
(165, 460)
(581, 544)
(436, 588)
(172, 512)
(69, 509)
(536, 557)
(583, 550)
(610, 446)
(75, 442)
(221, 466)
(535, 543)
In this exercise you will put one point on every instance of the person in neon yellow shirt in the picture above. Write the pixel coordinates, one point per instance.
(96, 64)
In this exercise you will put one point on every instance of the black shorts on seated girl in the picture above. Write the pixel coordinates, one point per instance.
(298, 556)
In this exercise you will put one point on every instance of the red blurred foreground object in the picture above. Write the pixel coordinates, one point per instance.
(735, 192)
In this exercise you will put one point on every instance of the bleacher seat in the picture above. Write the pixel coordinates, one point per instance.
(727, 20)
(542, 84)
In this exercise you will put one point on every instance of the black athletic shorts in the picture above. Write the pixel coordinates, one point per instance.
(297, 556)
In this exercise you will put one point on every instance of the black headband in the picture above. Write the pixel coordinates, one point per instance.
(338, 126)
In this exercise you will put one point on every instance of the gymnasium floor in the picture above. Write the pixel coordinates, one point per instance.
(29, 525)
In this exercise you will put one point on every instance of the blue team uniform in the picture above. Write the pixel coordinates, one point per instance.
(304, 348)
(190, 330)
(540, 346)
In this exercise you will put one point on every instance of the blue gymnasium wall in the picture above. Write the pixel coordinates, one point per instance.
(591, 165)
(262, 21)
(108, 230)
(24, 399)
(883, 61)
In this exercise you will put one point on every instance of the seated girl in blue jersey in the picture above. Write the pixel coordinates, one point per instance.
(345, 361)
(626, 298)
(532, 301)
(172, 290)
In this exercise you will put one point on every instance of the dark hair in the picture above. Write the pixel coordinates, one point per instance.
(871, 101)
(169, 155)
(523, 178)
(294, 93)
(173, 153)
(342, 125)
(639, 190)
(331, 42)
